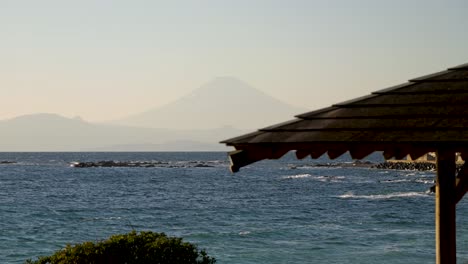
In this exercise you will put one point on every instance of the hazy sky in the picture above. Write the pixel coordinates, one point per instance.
(107, 59)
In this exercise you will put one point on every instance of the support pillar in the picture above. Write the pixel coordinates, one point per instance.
(445, 217)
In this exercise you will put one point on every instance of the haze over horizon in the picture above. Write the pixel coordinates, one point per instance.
(195, 122)
(222, 102)
(104, 60)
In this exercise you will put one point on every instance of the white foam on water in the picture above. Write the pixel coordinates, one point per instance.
(315, 177)
(350, 195)
(396, 181)
(330, 178)
(425, 181)
(298, 176)
(244, 233)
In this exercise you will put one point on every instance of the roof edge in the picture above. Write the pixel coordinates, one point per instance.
(459, 67)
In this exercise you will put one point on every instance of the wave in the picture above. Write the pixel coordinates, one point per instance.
(244, 233)
(315, 177)
(395, 181)
(425, 181)
(350, 195)
(298, 176)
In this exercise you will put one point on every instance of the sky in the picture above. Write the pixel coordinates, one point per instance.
(104, 60)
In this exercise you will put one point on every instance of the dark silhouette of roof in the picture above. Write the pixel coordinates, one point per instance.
(413, 118)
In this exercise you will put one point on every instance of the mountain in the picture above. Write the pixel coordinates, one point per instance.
(225, 101)
(51, 132)
(196, 122)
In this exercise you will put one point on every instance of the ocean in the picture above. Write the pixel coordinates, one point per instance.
(281, 211)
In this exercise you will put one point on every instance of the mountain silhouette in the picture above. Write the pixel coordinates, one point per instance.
(223, 108)
(225, 101)
(52, 132)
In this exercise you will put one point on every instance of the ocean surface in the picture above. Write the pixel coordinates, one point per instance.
(283, 211)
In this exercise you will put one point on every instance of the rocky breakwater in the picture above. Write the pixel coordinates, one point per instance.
(419, 166)
(401, 165)
(144, 164)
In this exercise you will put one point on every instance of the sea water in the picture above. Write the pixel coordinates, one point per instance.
(282, 211)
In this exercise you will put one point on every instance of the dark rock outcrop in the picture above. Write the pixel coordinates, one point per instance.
(7, 162)
(143, 164)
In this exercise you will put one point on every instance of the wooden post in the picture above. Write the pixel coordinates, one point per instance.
(446, 250)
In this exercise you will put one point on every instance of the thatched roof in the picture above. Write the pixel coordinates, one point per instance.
(413, 118)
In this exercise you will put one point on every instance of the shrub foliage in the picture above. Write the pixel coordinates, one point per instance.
(143, 247)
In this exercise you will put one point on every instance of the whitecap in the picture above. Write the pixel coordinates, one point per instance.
(395, 181)
(315, 177)
(347, 195)
(425, 181)
(329, 178)
(298, 176)
(429, 192)
(350, 195)
(244, 233)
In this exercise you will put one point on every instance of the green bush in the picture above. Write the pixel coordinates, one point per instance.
(143, 247)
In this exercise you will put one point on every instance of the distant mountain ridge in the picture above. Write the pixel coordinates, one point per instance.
(195, 122)
(52, 132)
(224, 101)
